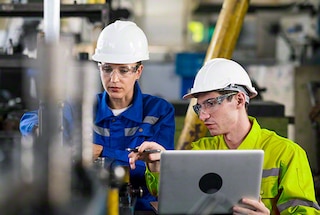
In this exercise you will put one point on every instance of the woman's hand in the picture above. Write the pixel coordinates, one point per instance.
(97, 149)
(259, 207)
(150, 158)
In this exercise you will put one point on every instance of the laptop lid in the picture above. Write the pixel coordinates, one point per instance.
(208, 181)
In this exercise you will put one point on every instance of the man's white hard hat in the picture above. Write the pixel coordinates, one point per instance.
(121, 42)
(220, 74)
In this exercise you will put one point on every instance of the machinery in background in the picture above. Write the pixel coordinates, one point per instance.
(48, 174)
(314, 115)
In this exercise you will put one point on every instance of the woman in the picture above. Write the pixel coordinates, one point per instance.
(124, 116)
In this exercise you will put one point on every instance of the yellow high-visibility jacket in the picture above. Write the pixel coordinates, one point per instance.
(287, 185)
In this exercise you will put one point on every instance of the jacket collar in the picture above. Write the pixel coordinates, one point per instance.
(251, 140)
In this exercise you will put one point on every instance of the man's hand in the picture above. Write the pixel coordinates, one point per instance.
(97, 149)
(150, 158)
(259, 207)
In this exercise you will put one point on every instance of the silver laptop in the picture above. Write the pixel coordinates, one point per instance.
(208, 181)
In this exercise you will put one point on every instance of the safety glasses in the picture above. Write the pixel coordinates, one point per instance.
(122, 71)
(211, 103)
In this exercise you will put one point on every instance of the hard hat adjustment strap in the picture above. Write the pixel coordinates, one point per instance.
(238, 88)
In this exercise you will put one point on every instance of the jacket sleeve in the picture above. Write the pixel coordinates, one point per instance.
(30, 120)
(165, 129)
(165, 136)
(152, 181)
(27, 122)
(296, 183)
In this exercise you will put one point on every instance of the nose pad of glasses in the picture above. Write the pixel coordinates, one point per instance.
(202, 114)
(114, 74)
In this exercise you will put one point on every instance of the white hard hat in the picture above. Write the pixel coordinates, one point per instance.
(121, 42)
(222, 74)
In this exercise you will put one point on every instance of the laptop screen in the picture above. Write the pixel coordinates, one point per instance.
(208, 181)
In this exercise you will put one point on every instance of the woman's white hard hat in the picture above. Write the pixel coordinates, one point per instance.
(220, 74)
(121, 42)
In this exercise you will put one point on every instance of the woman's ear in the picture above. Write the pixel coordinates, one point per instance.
(139, 71)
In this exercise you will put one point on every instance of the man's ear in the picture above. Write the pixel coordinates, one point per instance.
(241, 98)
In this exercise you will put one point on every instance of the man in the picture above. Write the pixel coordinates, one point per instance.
(124, 116)
(223, 90)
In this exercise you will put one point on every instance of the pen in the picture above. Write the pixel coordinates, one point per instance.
(132, 150)
(145, 151)
(152, 151)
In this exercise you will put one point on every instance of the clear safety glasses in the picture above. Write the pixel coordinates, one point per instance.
(211, 103)
(122, 71)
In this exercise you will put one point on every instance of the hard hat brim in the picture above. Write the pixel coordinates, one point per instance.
(253, 93)
(116, 60)
(190, 95)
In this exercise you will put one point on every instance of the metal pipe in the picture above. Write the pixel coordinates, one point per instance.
(90, 88)
(51, 20)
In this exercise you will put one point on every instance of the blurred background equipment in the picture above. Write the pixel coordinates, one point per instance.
(314, 115)
(47, 173)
